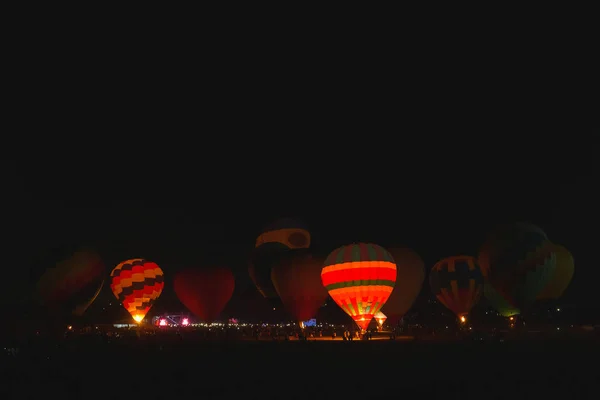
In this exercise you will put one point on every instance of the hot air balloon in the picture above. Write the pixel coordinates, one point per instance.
(519, 261)
(359, 278)
(498, 302)
(297, 280)
(137, 283)
(559, 281)
(68, 279)
(380, 318)
(410, 276)
(457, 283)
(82, 307)
(274, 242)
(206, 291)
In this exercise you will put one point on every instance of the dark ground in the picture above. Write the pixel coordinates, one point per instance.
(561, 369)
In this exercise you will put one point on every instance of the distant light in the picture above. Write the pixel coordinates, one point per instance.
(162, 322)
(185, 321)
(558, 309)
(273, 308)
(69, 327)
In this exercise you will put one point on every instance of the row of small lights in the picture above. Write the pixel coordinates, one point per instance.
(223, 325)
(185, 322)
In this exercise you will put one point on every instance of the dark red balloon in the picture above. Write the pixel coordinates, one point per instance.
(205, 292)
(297, 280)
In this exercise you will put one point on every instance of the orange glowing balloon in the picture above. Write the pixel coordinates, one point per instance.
(359, 278)
(137, 284)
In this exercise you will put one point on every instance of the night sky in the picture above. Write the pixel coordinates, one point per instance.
(195, 202)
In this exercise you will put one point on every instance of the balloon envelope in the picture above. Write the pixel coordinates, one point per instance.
(559, 281)
(380, 318)
(518, 261)
(68, 279)
(273, 243)
(457, 283)
(205, 292)
(409, 281)
(285, 233)
(82, 307)
(359, 278)
(498, 302)
(137, 284)
(297, 280)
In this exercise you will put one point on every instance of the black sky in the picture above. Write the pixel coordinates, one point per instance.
(145, 151)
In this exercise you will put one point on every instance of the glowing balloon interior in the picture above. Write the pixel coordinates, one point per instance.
(380, 318)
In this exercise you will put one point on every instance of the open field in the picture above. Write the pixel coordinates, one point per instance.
(314, 369)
